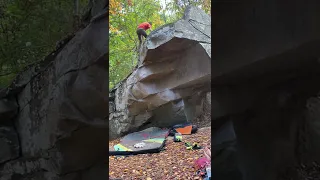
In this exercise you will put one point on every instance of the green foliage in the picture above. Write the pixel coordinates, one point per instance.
(178, 6)
(125, 16)
(29, 30)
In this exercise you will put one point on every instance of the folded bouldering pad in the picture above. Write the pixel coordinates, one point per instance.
(183, 129)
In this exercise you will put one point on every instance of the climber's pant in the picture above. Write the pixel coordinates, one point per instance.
(141, 32)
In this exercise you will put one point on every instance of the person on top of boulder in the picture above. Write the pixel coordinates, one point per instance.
(141, 30)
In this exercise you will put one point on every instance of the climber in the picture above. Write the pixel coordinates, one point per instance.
(141, 30)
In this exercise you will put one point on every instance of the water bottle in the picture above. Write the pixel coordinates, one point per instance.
(208, 176)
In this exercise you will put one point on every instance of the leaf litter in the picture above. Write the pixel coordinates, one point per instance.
(174, 163)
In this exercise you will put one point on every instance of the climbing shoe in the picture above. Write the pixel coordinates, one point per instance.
(177, 137)
(188, 145)
(193, 146)
(196, 146)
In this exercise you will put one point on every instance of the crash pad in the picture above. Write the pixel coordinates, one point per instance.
(120, 147)
(186, 128)
(151, 139)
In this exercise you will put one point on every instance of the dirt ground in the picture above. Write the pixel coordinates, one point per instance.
(175, 162)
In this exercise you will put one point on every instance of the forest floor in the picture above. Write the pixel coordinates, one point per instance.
(175, 162)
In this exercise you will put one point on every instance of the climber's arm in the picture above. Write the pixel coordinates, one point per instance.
(150, 27)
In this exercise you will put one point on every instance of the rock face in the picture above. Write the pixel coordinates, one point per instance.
(265, 78)
(172, 77)
(53, 118)
(9, 144)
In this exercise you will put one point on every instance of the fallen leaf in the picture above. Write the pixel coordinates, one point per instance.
(176, 162)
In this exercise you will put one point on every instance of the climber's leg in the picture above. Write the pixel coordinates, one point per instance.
(144, 34)
(141, 32)
(140, 39)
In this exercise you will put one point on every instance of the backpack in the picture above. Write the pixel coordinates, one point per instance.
(201, 163)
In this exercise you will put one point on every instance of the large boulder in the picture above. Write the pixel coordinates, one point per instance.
(265, 78)
(172, 76)
(61, 128)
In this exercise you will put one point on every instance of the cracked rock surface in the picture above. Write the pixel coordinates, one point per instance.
(53, 122)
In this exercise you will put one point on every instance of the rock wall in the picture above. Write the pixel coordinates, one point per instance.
(279, 131)
(276, 126)
(172, 76)
(53, 118)
(265, 80)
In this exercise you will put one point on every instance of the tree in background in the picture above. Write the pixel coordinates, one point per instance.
(29, 30)
(178, 6)
(126, 15)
